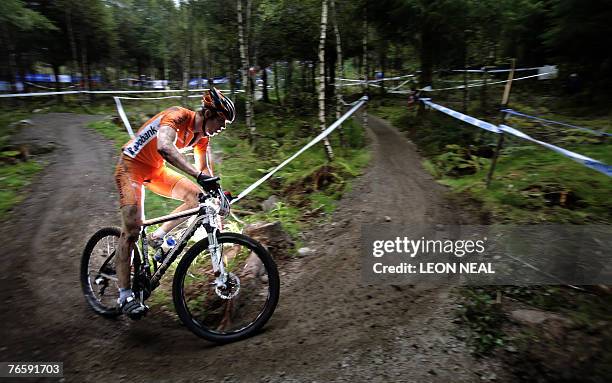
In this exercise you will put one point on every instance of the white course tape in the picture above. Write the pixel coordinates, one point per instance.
(46, 87)
(494, 70)
(348, 79)
(361, 82)
(391, 78)
(463, 117)
(400, 85)
(123, 116)
(377, 80)
(488, 83)
(584, 160)
(351, 84)
(38, 94)
(99, 92)
(318, 138)
(148, 98)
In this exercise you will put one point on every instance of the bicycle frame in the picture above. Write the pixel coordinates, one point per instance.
(206, 216)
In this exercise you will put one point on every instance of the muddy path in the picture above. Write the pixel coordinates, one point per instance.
(329, 325)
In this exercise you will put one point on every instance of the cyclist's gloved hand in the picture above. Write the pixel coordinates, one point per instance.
(228, 195)
(207, 182)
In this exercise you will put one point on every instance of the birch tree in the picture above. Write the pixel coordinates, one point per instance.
(244, 58)
(365, 64)
(328, 149)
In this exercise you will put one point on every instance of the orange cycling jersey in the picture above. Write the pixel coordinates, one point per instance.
(143, 147)
(142, 165)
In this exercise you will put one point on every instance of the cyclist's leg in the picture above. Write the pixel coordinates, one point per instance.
(130, 199)
(129, 183)
(169, 183)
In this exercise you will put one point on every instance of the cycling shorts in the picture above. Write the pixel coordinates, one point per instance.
(131, 176)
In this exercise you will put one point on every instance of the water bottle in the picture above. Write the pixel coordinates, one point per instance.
(168, 244)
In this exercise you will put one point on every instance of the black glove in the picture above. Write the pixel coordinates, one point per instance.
(228, 195)
(207, 182)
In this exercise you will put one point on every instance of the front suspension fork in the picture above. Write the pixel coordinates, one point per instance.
(216, 256)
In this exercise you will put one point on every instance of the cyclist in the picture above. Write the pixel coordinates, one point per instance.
(142, 164)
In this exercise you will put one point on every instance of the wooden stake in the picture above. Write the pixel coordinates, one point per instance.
(500, 141)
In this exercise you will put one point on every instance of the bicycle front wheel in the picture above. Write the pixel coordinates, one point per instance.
(242, 305)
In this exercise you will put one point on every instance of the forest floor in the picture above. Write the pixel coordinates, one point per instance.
(329, 326)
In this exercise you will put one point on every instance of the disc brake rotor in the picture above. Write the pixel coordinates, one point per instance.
(231, 287)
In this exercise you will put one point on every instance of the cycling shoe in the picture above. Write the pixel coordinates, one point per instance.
(133, 308)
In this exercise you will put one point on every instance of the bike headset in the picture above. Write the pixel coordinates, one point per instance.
(215, 102)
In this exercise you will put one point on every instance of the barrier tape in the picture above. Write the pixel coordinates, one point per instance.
(427, 89)
(584, 160)
(101, 92)
(494, 70)
(46, 87)
(377, 80)
(314, 141)
(463, 117)
(347, 103)
(39, 94)
(514, 112)
(400, 85)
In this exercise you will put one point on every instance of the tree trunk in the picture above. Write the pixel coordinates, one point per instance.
(322, 123)
(383, 66)
(312, 79)
(330, 75)
(84, 68)
(186, 55)
(483, 91)
(288, 79)
(56, 73)
(12, 65)
(398, 60)
(186, 71)
(73, 48)
(339, 71)
(278, 97)
(426, 53)
(366, 87)
(303, 77)
(264, 77)
(245, 75)
(232, 85)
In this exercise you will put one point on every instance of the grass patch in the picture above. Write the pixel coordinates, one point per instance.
(13, 178)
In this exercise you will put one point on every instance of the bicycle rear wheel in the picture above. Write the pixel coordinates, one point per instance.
(242, 306)
(98, 273)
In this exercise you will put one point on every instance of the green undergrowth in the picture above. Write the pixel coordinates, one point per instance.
(13, 179)
(15, 174)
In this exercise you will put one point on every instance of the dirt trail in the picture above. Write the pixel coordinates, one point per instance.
(329, 325)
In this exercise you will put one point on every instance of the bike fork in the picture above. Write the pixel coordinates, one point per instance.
(216, 258)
